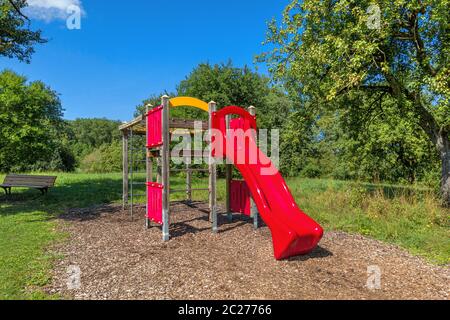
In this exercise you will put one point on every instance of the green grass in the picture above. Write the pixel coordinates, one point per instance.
(27, 228)
(409, 217)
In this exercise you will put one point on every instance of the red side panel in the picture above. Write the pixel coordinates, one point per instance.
(154, 125)
(240, 197)
(154, 202)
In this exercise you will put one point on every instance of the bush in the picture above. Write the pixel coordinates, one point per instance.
(62, 159)
(311, 170)
(107, 158)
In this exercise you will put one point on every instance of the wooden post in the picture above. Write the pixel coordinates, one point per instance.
(229, 178)
(165, 167)
(125, 168)
(149, 167)
(212, 173)
(254, 209)
(188, 182)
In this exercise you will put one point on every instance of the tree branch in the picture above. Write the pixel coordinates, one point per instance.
(16, 7)
(420, 46)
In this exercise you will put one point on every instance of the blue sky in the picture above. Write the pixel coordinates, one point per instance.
(127, 50)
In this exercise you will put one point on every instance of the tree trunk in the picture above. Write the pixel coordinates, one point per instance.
(444, 149)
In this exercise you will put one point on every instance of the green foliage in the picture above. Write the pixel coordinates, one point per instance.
(32, 133)
(296, 143)
(226, 85)
(329, 54)
(87, 135)
(16, 39)
(107, 158)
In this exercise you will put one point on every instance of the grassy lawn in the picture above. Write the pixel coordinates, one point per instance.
(27, 228)
(410, 218)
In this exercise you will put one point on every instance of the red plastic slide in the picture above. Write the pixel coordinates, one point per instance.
(293, 232)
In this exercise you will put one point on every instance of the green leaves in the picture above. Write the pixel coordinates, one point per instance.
(16, 39)
(345, 56)
(31, 128)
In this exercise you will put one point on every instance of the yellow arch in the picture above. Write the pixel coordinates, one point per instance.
(189, 102)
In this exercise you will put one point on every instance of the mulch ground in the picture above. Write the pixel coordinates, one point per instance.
(120, 259)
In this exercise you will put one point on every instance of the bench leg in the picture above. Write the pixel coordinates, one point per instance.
(6, 190)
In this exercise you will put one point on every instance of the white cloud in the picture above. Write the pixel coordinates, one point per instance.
(49, 10)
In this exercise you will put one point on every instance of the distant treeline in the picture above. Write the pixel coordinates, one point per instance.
(34, 137)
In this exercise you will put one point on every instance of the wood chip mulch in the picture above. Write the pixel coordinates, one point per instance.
(120, 259)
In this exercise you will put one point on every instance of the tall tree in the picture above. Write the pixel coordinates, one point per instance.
(16, 38)
(32, 131)
(334, 51)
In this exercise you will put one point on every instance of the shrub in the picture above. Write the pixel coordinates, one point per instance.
(107, 158)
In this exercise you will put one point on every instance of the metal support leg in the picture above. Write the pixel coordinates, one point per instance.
(166, 169)
(254, 209)
(255, 214)
(212, 175)
(229, 178)
(188, 183)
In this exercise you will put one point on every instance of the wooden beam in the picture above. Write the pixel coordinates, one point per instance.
(129, 125)
(187, 124)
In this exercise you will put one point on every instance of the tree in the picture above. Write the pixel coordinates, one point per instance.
(229, 85)
(32, 132)
(332, 52)
(86, 135)
(16, 39)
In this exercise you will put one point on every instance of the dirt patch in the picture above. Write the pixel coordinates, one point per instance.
(120, 259)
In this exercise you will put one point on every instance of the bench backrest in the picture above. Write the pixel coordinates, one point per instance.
(32, 181)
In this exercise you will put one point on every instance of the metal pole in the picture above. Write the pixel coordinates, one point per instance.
(131, 175)
(212, 173)
(159, 169)
(254, 208)
(188, 182)
(229, 178)
(125, 169)
(165, 167)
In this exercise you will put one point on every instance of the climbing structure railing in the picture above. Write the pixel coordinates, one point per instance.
(157, 127)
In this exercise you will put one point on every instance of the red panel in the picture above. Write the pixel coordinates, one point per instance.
(241, 123)
(154, 202)
(240, 197)
(154, 127)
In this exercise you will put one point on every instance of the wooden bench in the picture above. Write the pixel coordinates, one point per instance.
(42, 183)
